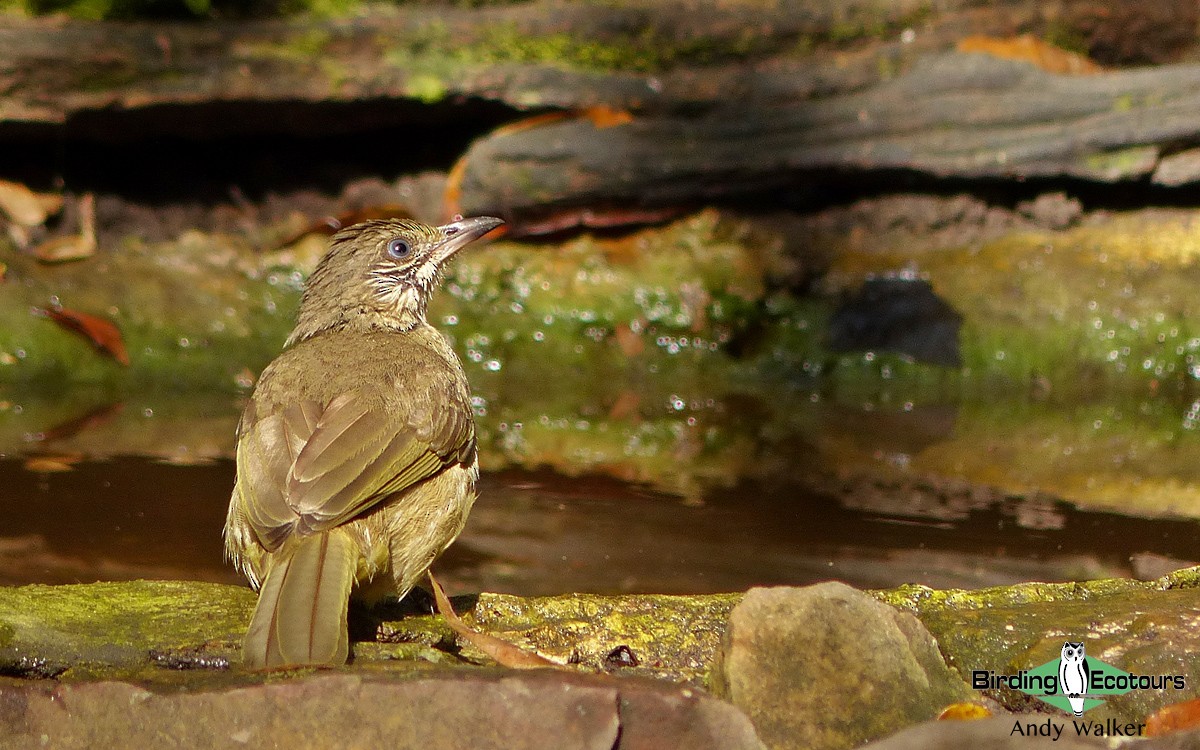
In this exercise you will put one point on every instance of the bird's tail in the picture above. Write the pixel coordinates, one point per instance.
(301, 613)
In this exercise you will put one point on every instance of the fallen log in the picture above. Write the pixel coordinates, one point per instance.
(952, 115)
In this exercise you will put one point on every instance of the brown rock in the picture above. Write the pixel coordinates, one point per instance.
(989, 734)
(829, 667)
(1000, 733)
(401, 709)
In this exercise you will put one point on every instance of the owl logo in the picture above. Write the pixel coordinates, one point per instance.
(1073, 675)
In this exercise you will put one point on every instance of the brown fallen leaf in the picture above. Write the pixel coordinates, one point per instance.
(603, 116)
(73, 246)
(49, 464)
(92, 419)
(1173, 718)
(103, 333)
(505, 653)
(591, 218)
(626, 406)
(1031, 49)
(25, 207)
(630, 343)
(964, 712)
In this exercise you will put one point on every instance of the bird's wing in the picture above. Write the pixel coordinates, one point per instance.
(311, 468)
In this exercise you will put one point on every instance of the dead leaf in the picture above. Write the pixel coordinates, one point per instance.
(53, 464)
(97, 417)
(625, 406)
(452, 195)
(505, 653)
(964, 712)
(630, 343)
(600, 116)
(1174, 718)
(25, 207)
(590, 218)
(103, 333)
(603, 116)
(64, 249)
(75, 246)
(1031, 49)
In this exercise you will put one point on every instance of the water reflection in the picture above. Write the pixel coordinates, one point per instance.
(544, 534)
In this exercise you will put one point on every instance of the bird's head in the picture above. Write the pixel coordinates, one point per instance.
(380, 274)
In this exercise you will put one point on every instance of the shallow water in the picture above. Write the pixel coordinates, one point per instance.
(540, 533)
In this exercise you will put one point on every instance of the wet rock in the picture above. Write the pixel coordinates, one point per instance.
(829, 667)
(1002, 733)
(992, 734)
(898, 315)
(1141, 628)
(1148, 566)
(1052, 210)
(152, 629)
(1178, 169)
(115, 628)
(446, 708)
(669, 637)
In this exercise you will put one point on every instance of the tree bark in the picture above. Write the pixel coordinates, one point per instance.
(952, 115)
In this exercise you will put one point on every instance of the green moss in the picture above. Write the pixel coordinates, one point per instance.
(104, 626)
(674, 637)
(300, 46)
(1020, 627)
(1074, 311)
(1061, 34)
(1122, 164)
(671, 358)
(433, 51)
(187, 319)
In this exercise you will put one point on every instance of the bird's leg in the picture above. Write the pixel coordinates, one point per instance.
(506, 654)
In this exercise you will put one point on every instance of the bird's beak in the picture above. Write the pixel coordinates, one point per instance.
(459, 234)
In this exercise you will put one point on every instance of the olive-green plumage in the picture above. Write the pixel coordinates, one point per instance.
(356, 454)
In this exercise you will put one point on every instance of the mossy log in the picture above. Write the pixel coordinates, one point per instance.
(701, 100)
(529, 55)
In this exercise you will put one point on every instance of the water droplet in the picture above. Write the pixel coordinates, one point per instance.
(147, 412)
(492, 365)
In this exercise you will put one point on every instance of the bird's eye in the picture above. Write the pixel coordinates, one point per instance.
(399, 248)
